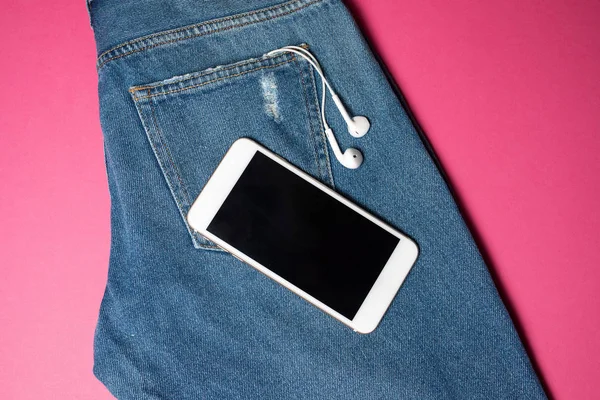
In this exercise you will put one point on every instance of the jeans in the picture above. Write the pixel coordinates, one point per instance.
(179, 82)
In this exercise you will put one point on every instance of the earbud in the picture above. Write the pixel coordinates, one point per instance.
(357, 126)
(351, 158)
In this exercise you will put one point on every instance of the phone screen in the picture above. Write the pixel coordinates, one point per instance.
(303, 235)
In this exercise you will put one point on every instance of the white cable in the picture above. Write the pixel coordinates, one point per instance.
(302, 52)
(357, 126)
(324, 82)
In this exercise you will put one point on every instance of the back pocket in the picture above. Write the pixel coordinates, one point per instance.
(192, 120)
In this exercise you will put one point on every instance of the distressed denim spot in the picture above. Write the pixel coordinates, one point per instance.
(268, 82)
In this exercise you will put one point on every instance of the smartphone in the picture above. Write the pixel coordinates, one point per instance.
(304, 235)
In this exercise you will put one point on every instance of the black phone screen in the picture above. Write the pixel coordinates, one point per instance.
(303, 235)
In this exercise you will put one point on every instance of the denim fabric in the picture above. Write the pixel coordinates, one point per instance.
(179, 82)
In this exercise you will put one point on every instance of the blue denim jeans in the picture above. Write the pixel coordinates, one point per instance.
(179, 82)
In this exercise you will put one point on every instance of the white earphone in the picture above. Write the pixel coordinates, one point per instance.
(351, 158)
(357, 126)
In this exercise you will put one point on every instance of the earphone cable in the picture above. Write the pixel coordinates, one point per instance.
(308, 56)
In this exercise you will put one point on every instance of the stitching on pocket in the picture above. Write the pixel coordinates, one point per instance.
(199, 241)
(188, 78)
(212, 80)
(164, 143)
(328, 176)
(192, 31)
(144, 94)
(310, 125)
(322, 129)
(201, 77)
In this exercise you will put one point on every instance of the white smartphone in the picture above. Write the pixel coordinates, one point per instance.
(299, 232)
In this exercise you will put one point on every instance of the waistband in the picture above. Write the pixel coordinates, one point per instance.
(122, 23)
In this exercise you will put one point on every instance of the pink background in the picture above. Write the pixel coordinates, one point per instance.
(507, 91)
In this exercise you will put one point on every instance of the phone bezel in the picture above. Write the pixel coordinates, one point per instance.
(222, 182)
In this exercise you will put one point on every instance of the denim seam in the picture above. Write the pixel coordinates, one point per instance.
(212, 80)
(191, 31)
(324, 139)
(165, 145)
(197, 242)
(310, 125)
(213, 21)
(210, 71)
